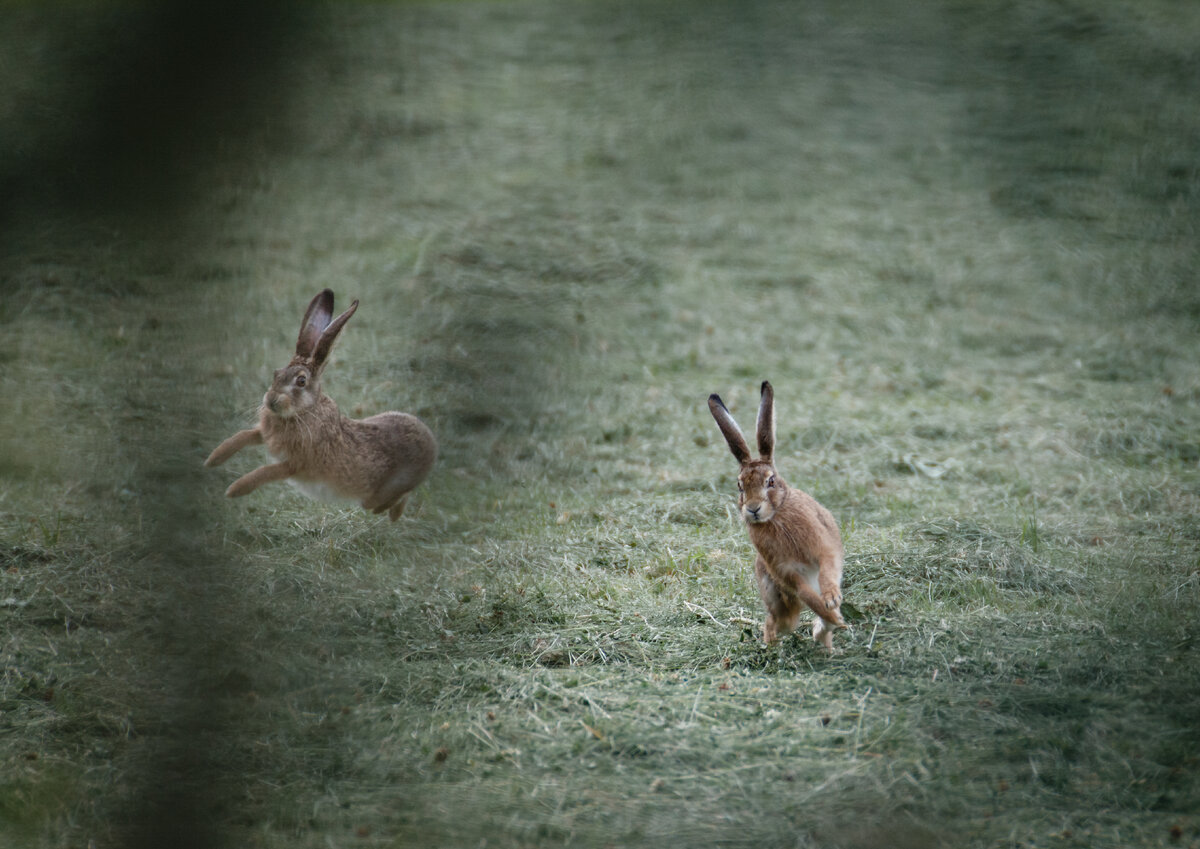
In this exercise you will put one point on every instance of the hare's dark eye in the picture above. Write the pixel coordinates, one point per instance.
(771, 482)
(301, 381)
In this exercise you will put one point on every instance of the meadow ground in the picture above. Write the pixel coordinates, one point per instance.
(961, 241)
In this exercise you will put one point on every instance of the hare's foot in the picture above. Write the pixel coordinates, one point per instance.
(823, 632)
(393, 507)
(833, 618)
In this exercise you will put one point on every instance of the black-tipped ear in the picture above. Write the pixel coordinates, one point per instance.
(316, 319)
(766, 422)
(330, 335)
(730, 430)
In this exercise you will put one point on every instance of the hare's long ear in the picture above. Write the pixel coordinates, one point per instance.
(766, 423)
(316, 319)
(730, 429)
(330, 335)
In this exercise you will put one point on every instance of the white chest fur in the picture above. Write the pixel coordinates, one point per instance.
(808, 571)
(316, 490)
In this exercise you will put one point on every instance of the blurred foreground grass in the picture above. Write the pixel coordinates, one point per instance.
(961, 241)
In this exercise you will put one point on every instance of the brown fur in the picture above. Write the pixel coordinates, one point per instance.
(797, 540)
(377, 460)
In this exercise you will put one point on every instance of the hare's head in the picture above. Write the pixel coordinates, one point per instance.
(760, 489)
(297, 386)
(294, 388)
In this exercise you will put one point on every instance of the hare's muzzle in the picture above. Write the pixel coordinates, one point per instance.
(280, 405)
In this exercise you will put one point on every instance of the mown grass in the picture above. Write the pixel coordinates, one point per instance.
(961, 243)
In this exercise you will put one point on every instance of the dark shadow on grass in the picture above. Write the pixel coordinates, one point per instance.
(511, 309)
(1084, 119)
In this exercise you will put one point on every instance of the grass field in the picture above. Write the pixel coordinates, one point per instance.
(961, 241)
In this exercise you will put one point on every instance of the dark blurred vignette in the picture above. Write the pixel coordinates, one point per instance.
(974, 225)
(119, 105)
(125, 98)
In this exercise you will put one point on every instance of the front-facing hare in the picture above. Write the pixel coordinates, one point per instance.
(800, 555)
(377, 461)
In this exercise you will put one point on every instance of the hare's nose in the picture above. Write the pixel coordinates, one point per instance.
(753, 511)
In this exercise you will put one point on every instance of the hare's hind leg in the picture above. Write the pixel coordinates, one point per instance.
(783, 608)
(391, 504)
(391, 495)
(823, 632)
(398, 507)
(779, 623)
(769, 632)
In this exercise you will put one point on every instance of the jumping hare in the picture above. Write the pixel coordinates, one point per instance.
(377, 461)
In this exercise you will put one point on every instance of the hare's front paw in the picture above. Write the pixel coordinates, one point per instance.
(832, 597)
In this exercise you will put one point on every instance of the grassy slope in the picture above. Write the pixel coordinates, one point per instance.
(956, 241)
